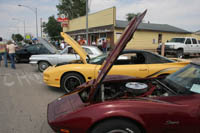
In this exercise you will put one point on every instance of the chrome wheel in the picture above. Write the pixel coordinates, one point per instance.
(121, 131)
(116, 126)
(42, 66)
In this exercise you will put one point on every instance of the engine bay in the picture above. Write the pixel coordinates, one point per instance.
(130, 89)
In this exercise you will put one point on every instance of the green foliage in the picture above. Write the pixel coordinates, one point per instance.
(53, 28)
(129, 16)
(17, 37)
(72, 8)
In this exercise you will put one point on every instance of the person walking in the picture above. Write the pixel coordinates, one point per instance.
(11, 50)
(3, 52)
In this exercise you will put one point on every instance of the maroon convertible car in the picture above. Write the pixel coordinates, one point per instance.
(121, 104)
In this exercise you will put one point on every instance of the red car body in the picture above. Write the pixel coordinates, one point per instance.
(105, 105)
(171, 114)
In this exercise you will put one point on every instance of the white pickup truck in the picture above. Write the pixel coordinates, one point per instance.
(181, 46)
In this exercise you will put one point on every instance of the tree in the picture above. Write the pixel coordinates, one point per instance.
(72, 8)
(129, 16)
(17, 37)
(53, 28)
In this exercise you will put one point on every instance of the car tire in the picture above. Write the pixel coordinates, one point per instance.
(179, 53)
(43, 65)
(17, 60)
(71, 81)
(116, 126)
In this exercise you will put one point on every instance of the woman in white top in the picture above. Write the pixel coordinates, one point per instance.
(11, 50)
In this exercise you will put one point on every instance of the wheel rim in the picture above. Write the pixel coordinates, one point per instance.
(43, 66)
(71, 82)
(121, 131)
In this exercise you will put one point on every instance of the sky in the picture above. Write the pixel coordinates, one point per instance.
(184, 14)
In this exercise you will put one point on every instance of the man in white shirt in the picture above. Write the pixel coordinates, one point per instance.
(62, 45)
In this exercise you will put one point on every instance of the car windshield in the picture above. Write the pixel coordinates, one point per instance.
(98, 60)
(64, 51)
(180, 40)
(186, 80)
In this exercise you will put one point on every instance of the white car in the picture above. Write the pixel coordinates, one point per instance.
(45, 60)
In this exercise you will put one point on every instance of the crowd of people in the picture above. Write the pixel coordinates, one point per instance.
(104, 45)
(7, 49)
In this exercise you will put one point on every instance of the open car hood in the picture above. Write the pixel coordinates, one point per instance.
(79, 50)
(114, 54)
(47, 45)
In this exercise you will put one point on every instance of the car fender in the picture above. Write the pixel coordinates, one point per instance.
(121, 114)
(109, 111)
(82, 69)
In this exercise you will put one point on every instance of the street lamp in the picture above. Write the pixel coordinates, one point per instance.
(23, 22)
(35, 11)
(87, 22)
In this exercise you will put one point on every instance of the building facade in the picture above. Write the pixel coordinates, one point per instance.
(103, 25)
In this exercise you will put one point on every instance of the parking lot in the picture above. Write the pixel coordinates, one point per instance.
(24, 98)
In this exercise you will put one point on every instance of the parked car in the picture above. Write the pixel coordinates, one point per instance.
(137, 63)
(42, 47)
(123, 104)
(43, 61)
(181, 46)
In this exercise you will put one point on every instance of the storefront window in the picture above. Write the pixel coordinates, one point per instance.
(103, 35)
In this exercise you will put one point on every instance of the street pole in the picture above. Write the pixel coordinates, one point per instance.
(41, 26)
(35, 11)
(87, 22)
(24, 30)
(36, 23)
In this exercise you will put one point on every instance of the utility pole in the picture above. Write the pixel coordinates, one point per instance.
(87, 22)
(41, 25)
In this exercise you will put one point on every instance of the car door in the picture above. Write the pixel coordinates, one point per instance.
(133, 65)
(67, 55)
(188, 46)
(25, 53)
(196, 46)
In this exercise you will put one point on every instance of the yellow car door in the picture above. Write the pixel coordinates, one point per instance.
(136, 70)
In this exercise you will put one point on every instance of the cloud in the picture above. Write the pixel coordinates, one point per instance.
(180, 13)
(10, 9)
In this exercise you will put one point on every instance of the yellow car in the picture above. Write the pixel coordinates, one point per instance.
(138, 63)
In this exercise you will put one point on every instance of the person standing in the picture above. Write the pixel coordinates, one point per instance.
(62, 45)
(11, 50)
(3, 52)
(104, 45)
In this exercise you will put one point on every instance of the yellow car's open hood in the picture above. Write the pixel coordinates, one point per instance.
(79, 50)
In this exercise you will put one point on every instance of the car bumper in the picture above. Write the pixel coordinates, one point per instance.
(61, 114)
(33, 63)
(167, 51)
(50, 79)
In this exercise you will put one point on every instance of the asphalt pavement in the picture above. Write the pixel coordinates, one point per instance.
(24, 99)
